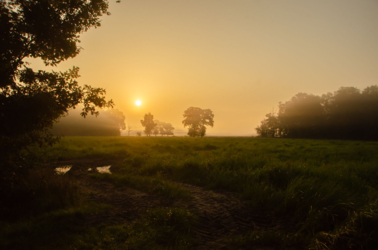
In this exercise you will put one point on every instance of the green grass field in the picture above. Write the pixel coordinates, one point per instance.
(293, 194)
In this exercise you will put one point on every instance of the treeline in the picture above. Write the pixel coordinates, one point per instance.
(107, 123)
(348, 113)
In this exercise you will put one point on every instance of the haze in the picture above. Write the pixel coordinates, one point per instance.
(237, 58)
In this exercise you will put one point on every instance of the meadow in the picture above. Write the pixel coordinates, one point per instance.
(201, 193)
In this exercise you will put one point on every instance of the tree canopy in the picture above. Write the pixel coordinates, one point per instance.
(148, 123)
(31, 101)
(348, 113)
(163, 128)
(196, 119)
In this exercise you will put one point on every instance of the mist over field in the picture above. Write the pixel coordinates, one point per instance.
(107, 123)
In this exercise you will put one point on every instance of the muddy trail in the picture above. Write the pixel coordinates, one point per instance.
(221, 214)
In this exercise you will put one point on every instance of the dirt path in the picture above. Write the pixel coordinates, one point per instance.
(221, 214)
(127, 203)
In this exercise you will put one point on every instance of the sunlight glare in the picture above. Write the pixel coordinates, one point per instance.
(138, 103)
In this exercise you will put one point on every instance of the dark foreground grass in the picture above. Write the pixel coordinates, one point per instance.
(325, 192)
(39, 191)
(162, 228)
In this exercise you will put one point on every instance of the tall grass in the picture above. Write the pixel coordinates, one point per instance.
(154, 185)
(160, 228)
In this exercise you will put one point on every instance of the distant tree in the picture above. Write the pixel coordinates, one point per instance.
(107, 123)
(166, 129)
(263, 129)
(196, 119)
(270, 127)
(156, 131)
(148, 123)
(302, 116)
(347, 113)
(118, 117)
(163, 128)
(139, 133)
(370, 111)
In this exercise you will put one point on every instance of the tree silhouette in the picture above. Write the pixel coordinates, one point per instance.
(31, 101)
(166, 129)
(148, 123)
(197, 119)
(163, 128)
(347, 113)
(370, 110)
(302, 116)
(156, 131)
(270, 127)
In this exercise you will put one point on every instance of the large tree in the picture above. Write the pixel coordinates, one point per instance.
(30, 101)
(196, 119)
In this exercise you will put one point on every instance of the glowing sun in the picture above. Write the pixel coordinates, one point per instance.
(138, 102)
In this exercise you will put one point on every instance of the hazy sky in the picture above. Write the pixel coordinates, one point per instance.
(238, 58)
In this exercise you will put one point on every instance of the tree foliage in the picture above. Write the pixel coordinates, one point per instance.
(148, 123)
(269, 127)
(302, 116)
(163, 128)
(155, 131)
(31, 101)
(196, 119)
(348, 113)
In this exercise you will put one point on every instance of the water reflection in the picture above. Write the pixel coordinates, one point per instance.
(101, 170)
(63, 170)
(104, 170)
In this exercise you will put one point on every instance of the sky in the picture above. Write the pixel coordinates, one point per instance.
(239, 58)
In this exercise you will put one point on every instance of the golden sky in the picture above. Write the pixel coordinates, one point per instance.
(238, 58)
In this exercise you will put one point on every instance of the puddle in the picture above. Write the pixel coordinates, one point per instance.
(104, 170)
(63, 170)
(101, 170)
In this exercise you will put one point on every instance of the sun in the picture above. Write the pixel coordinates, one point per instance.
(138, 102)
